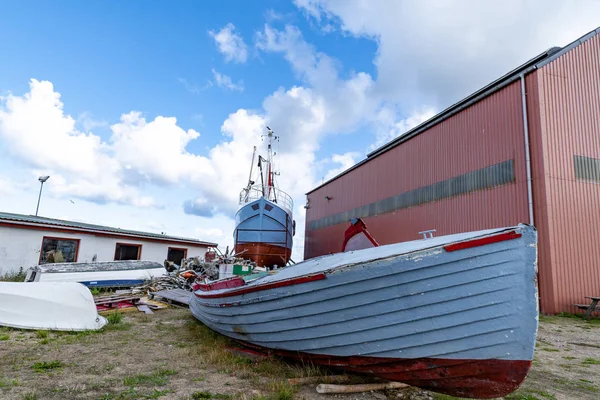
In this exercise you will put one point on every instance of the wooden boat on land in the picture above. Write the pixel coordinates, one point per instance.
(64, 306)
(122, 273)
(454, 314)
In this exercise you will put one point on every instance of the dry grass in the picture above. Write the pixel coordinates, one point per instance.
(167, 355)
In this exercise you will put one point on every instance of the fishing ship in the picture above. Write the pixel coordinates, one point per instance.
(264, 226)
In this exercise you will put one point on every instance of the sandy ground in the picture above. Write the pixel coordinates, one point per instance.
(169, 355)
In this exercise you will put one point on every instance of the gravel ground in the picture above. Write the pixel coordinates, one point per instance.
(169, 355)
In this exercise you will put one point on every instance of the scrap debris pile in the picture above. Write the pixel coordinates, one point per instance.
(174, 286)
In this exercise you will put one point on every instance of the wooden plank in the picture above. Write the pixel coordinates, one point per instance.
(181, 296)
(145, 309)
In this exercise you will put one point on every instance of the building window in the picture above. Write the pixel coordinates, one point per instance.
(126, 251)
(58, 250)
(176, 254)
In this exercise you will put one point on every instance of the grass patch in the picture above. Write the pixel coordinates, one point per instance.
(4, 336)
(5, 383)
(41, 334)
(44, 366)
(586, 385)
(591, 361)
(123, 326)
(115, 317)
(283, 391)
(159, 378)
(549, 349)
(95, 291)
(30, 396)
(18, 276)
(569, 358)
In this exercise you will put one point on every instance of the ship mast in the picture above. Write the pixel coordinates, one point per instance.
(270, 173)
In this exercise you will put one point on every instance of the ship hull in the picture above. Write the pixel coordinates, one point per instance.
(263, 233)
(455, 314)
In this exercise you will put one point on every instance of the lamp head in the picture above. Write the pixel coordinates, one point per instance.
(43, 178)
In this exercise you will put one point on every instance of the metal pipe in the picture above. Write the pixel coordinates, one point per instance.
(527, 150)
(39, 197)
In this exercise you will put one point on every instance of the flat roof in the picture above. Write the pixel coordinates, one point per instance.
(505, 80)
(36, 221)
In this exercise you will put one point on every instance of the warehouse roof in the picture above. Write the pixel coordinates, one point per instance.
(82, 227)
(531, 65)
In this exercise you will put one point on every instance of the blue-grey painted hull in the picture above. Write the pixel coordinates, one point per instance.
(408, 301)
(264, 225)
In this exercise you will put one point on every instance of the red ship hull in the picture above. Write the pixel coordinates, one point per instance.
(263, 254)
(483, 379)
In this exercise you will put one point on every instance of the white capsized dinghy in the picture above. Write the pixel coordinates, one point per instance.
(61, 306)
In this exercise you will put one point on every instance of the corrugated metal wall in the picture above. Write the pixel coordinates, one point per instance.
(433, 166)
(565, 154)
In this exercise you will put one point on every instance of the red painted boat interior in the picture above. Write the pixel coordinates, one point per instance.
(224, 284)
(357, 228)
(271, 285)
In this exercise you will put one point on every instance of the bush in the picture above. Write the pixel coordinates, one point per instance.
(14, 276)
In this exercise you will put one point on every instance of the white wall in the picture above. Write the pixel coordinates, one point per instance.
(21, 247)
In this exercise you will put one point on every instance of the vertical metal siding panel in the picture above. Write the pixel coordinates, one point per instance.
(571, 128)
(487, 133)
(536, 111)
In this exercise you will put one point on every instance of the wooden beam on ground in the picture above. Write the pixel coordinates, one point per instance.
(317, 379)
(366, 387)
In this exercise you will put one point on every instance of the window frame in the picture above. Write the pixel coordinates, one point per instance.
(139, 246)
(185, 251)
(59, 238)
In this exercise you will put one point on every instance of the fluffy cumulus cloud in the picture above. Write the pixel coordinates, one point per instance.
(428, 57)
(230, 44)
(435, 54)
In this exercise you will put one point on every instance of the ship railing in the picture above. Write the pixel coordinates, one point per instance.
(272, 194)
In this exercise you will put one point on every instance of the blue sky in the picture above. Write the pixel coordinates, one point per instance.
(137, 108)
(137, 53)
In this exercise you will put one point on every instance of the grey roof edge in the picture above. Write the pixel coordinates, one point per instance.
(537, 62)
(84, 227)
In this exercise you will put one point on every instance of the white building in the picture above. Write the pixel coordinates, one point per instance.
(27, 240)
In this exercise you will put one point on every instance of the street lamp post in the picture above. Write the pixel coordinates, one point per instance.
(42, 179)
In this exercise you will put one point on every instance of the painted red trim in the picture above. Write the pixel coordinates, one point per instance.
(483, 241)
(273, 285)
(139, 246)
(59, 238)
(71, 230)
(473, 378)
(229, 283)
(355, 229)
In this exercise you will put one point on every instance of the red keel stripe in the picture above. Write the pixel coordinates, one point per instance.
(483, 241)
(257, 288)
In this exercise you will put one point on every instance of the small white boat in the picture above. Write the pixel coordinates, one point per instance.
(98, 274)
(61, 306)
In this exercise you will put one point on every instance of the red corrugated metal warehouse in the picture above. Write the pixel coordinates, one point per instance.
(525, 148)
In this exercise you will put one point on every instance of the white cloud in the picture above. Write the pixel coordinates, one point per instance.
(225, 81)
(86, 121)
(190, 87)
(433, 55)
(388, 126)
(230, 44)
(6, 186)
(344, 161)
